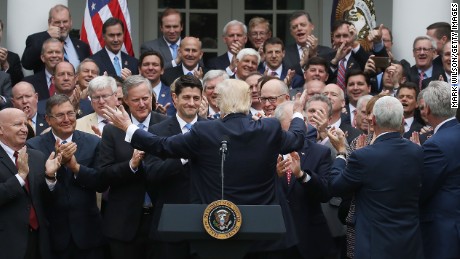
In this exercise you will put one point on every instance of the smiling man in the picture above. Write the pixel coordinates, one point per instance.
(75, 222)
(59, 26)
(171, 27)
(273, 93)
(210, 81)
(111, 58)
(357, 85)
(247, 61)
(191, 53)
(424, 51)
(25, 98)
(52, 53)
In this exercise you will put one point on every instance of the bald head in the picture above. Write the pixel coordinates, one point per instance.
(314, 87)
(13, 129)
(25, 98)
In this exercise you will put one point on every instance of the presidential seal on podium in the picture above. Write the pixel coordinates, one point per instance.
(222, 219)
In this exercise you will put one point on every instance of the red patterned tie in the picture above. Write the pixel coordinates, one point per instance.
(422, 76)
(51, 90)
(288, 175)
(33, 221)
(341, 74)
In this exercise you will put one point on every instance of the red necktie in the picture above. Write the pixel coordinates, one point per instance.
(51, 90)
(341, 74)
(422, 76)
(33, 221)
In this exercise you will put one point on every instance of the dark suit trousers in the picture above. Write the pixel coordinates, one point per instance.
(141, 247)
(33, 251)
(73, 252)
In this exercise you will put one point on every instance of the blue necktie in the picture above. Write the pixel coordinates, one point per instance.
(216, 115)
(190, 74)
(147, 200)
(188, 126)
(66, 57)
(174, 50)
(116, 65)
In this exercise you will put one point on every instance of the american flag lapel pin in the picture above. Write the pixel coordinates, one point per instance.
(126, 63)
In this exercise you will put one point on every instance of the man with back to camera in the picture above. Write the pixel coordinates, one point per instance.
(257, 144)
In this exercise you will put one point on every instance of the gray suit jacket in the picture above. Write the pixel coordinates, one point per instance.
(161, 46)
(5, 90)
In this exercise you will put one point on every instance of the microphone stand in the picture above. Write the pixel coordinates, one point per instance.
(223, 152)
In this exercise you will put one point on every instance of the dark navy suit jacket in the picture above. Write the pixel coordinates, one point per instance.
(127, 189)
(38, 80)
(440, 194)
(305, 199)
(221, 62)
(31, 56)
(253, 147)
(386, 189)
(296, 82)
(71, 207)
(164, 98)
(104, 63)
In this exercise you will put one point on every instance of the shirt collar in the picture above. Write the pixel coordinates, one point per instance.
(442, 123)
(186, 71)
(182, 122)
(146, 122)
(9, 151)
(112, 55)
(69, 139)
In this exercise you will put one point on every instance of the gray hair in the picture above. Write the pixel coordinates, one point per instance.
(280, 111)
(233, 23)
(437, 97)
(133, 81)
(419, 38)
(363, 99)
(48, 41)
(234, 96)
(100, 83)
(320, 98)
(212, 74)
(248, 51)
(388, 112)
(86, 60)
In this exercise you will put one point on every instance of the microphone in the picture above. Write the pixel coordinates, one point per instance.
(223, 145)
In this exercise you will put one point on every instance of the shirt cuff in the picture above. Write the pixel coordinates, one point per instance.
(50, 184)
(21, 181)
(184, 161)
(297, 115)
(342, 157)
(130, 132)
(132, 169)
(229, 72)
(307, 178)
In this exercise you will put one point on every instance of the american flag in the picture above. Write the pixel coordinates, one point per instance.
(96, 13)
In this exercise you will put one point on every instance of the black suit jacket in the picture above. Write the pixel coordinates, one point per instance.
(351, 133)
(71, 207)
(14, 206)
(292, 58)
(440, 74)
(15, 69)
(40, 124)
(127, 189)
(304, 199)
(102, 59)
(173, 73)
(415, 77)
(171, 179)
(31, 56)
(221, 62)
(38, 80)
(253, 147)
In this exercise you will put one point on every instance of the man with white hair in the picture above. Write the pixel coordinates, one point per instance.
(247, 61)
(440, 193)
(386, 193)
(254, 145)
(102, 91)
(210, 81)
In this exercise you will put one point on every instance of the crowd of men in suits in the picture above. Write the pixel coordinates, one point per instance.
(398, 192)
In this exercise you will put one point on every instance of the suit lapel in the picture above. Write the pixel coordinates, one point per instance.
(76, 138)
(108, 63)
(5, 160)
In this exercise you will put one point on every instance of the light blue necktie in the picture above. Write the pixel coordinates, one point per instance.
(116, 65)
(188, 126)
(174, 50)
(190, 74)
(147, 200)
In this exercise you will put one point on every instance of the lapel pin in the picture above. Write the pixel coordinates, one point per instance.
(41, 124)
(162, 95)
(126, 63)
(303, 154)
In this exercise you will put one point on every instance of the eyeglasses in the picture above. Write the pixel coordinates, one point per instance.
(104, 97)
(255, 34)
(418, 50)
(60, 116)
(270, 99)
